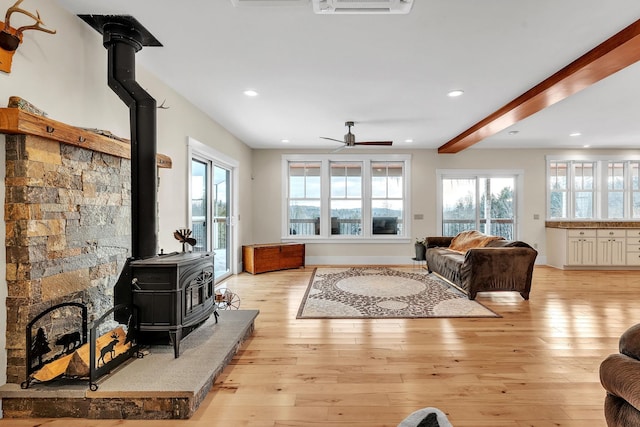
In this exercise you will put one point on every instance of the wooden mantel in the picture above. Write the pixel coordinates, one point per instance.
(17, 121)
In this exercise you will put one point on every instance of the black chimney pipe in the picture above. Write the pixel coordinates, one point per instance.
(122, 44)
(123, 36)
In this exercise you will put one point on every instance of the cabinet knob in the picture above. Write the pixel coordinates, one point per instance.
(611, 233)
(581, 233)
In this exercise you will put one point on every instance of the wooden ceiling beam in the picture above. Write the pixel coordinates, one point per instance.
(611, 56)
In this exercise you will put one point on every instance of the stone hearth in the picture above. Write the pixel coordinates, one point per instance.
(157, 386)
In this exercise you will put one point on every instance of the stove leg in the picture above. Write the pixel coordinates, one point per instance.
(176, 337)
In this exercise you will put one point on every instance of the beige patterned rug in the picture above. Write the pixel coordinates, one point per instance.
(383, 292)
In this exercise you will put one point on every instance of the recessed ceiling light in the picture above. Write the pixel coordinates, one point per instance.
(586, 146)
(284, 141)
(513, 132)
(408, 141)
(575, 134)
(250, 92)
(454, 93)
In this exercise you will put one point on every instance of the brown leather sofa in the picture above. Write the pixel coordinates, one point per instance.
(483, 263)
(620, 377)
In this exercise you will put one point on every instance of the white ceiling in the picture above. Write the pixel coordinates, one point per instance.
(388, 73)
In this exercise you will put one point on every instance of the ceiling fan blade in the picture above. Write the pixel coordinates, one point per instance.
(332, 139)
(339, 149)
(374, 143)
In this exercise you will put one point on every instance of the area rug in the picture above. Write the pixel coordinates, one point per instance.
(384, 292)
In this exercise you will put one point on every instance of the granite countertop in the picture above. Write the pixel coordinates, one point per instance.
(592, 224)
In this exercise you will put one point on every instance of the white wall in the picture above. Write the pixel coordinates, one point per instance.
(66, 75)
(175, 124)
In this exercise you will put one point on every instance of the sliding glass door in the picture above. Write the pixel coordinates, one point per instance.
(221, 220)
(200, 205)
(484, 203)
(211, 212)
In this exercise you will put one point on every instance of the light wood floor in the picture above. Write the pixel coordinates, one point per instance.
(535, 366)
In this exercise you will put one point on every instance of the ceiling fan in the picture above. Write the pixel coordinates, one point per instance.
(350, 139)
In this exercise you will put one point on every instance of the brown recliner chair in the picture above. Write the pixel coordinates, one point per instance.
(620, 376)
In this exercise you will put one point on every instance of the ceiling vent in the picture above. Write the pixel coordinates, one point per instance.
(260, 3)
(362, 6)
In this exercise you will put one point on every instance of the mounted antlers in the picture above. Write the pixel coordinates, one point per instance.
(10, 38)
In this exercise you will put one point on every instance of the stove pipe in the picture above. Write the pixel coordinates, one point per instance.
(123, 36)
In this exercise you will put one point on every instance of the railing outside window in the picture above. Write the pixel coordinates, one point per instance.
(345, 227)
(199, 232)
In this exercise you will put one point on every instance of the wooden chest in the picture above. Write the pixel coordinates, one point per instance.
(272, 257)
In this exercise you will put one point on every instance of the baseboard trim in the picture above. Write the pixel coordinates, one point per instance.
(358, 260)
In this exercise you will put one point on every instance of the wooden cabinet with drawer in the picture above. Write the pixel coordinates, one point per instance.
(272, 256)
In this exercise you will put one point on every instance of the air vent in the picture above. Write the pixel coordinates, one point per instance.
(362, 6)
(262, 3)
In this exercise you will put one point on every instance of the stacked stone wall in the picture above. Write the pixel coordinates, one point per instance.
(68, 233)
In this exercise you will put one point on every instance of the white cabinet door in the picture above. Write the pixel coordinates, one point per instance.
(612, 247)
(589, 251)
(581, 251)
(574, 251)
(618, 251)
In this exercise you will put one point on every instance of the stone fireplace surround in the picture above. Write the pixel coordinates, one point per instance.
(68, 229)
(68, 235)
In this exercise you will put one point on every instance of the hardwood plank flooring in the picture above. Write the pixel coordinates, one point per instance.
(535, 366)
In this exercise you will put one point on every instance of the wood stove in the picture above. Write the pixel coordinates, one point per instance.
(173, 293)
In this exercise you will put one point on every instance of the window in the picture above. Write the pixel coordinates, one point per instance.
(304, 198)
(635, 189)
(583, 190)
(593, 188)
(622, 195)
(387, 197)
(345, 197)
(559, 189)
(478, 200)
(615, 190)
